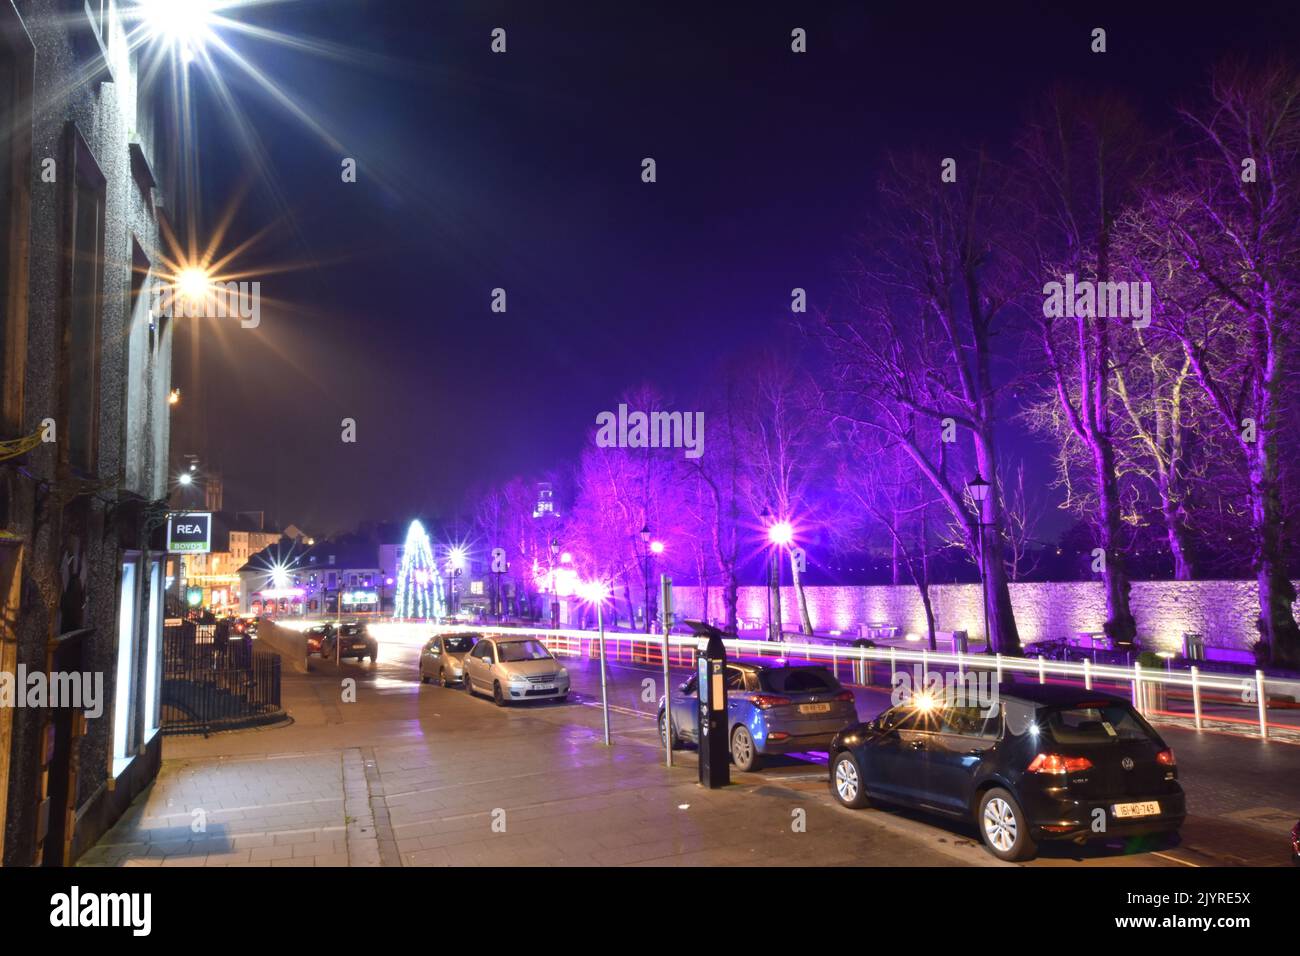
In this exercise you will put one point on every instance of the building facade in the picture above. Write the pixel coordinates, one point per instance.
(85, 375)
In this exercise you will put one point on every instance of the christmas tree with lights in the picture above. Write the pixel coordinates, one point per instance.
(419, 585)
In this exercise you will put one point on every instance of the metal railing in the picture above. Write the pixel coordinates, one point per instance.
(208, 685)
(1151, 690)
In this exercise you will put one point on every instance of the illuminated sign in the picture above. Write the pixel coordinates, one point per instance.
(360, 597)
(189, 532)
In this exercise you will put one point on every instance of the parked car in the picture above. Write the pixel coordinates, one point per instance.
(515, 668)
(353, 640)
(442, 660)
(771, 709)
(1048, 763)
(316, 636)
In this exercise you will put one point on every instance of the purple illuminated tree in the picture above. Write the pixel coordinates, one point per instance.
(1083, 160)
(1221, 246)
(914, 356)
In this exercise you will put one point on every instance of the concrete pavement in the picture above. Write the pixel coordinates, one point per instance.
(385, 771)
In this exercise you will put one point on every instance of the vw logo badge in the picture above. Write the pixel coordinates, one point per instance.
(1127, 763)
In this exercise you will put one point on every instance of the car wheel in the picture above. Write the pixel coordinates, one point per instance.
(469, 687)
(663, 733)
(743, 752)
(442, 677)
(563, 698)
(847, 783)
(497, 697)
(1004, 828)
(424, 678)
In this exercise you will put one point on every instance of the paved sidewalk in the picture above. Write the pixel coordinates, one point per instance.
(417, 776)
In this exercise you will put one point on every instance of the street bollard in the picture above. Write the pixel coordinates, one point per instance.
(1196, 694)
(1262, 696)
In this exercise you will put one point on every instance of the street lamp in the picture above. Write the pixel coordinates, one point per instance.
(650, 549)
(979, 492)
(597, 592)
(779, 533)
(555, 606)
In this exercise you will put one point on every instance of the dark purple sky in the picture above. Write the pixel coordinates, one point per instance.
(522, 171)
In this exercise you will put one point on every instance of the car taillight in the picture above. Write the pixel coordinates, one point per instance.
(1166, 757)
(764, 701)
(1057, 763)
(845, 695)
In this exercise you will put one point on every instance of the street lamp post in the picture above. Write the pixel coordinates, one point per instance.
(555, 607)
(645, 568)
(979, 492)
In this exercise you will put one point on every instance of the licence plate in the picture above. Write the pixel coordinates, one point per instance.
(1150, 808)
(814, 708)
(358, 647)
(542, 686)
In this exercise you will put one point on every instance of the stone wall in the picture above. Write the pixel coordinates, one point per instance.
(1223, 611)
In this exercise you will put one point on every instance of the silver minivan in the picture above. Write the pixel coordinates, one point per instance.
(515, 668)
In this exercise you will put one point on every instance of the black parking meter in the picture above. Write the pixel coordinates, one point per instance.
(715, 753)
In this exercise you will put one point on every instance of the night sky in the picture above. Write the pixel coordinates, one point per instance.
(523, 171)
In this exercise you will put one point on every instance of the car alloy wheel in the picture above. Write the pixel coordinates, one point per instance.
(1000, 827)
(442, 677)
(663, 732)
(742, 750)
(1004, 828)
(846, 781)
(497, 696)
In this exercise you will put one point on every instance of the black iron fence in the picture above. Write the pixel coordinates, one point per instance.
(215, 681)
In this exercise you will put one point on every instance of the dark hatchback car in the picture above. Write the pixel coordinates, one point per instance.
(1042, 763)
(352, 639)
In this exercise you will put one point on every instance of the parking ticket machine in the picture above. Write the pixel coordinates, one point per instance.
(715, 752)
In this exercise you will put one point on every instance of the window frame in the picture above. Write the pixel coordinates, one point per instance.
(18, 59)
(85, 176)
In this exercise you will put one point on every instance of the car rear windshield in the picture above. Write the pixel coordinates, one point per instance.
(523, 651)
(798, 680)
(457, 645)
(1094, 723)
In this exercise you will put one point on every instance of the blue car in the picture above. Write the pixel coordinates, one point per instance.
(771, 709)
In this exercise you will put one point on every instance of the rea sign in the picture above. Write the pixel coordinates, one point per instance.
(190, 532)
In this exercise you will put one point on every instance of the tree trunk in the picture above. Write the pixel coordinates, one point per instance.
(805, 621)
(730, 598)
(1277, 625)
(924, 588)
(1175, 532)
(1120, 625)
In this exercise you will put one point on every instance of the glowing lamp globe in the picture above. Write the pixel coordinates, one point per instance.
(184, 25)
(781, 533)
(193, 284)
(657, 547)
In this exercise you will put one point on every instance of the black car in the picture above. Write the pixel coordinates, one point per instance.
(1041, 763)
(352, 640)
